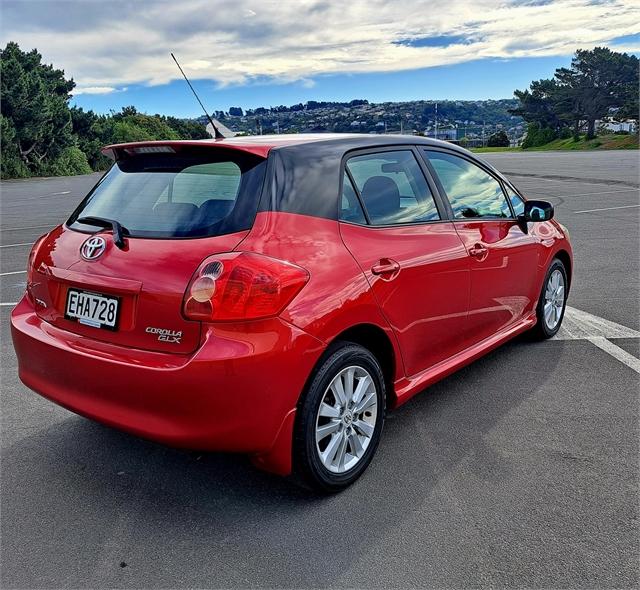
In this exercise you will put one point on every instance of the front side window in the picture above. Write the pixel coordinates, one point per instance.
(472, 192)
(517, 202)
(202, 194)
(393, 188)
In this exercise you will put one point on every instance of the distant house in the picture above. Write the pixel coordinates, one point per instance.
(628, 125)
(447, 134)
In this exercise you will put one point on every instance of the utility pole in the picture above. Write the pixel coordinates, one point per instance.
(436, 132)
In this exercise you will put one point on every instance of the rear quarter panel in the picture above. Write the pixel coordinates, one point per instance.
(337, 296)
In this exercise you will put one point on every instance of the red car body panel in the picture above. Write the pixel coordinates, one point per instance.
(503, 287)
(200, 401)
(235, 386)
(426, 300)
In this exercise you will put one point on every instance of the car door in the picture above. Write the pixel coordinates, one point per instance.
(502, 257)
(413, 258)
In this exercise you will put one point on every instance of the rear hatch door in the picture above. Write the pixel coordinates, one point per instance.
(175, 211)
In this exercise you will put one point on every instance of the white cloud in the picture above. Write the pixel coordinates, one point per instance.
(94, 90)
(235, 41)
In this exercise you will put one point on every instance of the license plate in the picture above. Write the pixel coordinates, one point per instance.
(92, 309)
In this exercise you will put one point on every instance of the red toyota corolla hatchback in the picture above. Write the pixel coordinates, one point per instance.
(274, 296)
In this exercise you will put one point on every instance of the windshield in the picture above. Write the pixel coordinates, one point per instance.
(207, 193)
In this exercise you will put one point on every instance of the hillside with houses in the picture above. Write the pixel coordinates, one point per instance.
(465, 121)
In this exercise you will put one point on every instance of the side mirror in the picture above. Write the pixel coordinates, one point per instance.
(537, 211)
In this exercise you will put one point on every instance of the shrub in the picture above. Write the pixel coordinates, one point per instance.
(70, 162)
(537, 136)
(498, 139)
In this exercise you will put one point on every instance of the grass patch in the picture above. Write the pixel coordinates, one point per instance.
(496, 149)
(602, 142)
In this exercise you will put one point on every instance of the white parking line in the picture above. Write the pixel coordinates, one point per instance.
(12, 304)
(16, 245)
(15, 272)
(607, 209)
(49, 225)
(615, 351)
(628, 190)
(580, 325)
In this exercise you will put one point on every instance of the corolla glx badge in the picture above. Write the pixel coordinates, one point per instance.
(164, 335)
(93, 248)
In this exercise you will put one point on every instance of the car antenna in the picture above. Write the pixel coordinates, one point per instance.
(216, 131)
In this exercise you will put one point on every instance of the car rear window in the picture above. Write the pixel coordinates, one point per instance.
(171, 195)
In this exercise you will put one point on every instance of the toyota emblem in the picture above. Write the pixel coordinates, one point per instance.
(93, 248)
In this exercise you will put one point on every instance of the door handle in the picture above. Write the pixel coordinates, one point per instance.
(385, 266)
(479, 251)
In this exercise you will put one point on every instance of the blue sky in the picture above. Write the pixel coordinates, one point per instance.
(253, 53)
(482, 79)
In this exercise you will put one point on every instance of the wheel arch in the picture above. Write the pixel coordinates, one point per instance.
(564, 257)
(377, 341)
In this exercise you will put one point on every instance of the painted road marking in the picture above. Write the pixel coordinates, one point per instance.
(28, 227)
(627, 190)
(607, 209)
(615, 351)
(15, 272)
(16, 245)
(580, 325)
(12, 303)
(52, 194)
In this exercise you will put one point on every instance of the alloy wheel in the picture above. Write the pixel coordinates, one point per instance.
(346, 419)
(554, 299)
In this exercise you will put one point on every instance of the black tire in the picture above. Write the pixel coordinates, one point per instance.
(309, 469)
(541, 331)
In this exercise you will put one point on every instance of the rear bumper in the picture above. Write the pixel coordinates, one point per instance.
(237, 392)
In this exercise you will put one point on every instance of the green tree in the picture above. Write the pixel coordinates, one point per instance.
(539, 103)
(93, 132)
(188, 128)
(35, 100)
(11, 164)
(601, 80)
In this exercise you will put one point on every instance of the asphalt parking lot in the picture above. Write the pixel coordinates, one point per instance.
(519, 471)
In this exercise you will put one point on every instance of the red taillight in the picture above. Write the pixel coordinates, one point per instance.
(242, 286)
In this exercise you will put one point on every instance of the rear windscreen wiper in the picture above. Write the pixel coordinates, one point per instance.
(118, 230)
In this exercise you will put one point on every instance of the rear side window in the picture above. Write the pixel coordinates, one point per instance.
(350, 208)
(393, 188)
(472, 192)
(202, 194)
